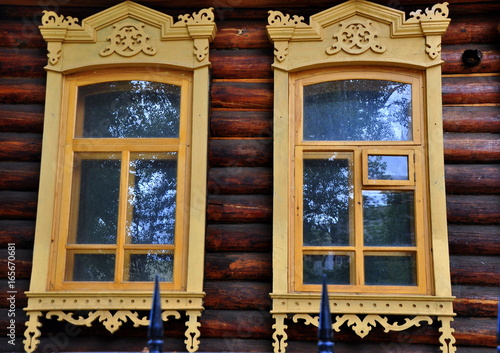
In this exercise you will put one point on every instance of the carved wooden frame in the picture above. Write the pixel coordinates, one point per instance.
(124, 36)
(359, 32)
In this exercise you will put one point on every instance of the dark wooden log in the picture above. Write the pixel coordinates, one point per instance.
(473, 239)
(471, 119)
(19, 175)
(242, 94)
(472, 179)
(20, 233)
(471, 29)
(241, 123)
(22, 62)
(471, 89)
(239, 180)
(240, 208)
(249, 324)
(473, 209)
(238, 266)
(240, 344)
(22, 263)
(237, 295)
(475, 301)
(22, 90)
(475, 331)
(241, 34)
(471, 148)
(475, 270)
(253, 237)
(20, 286)
(20, 147)
(453, 64)
(18, 204)
(242, 64)
(240, 153)
(21, 118)
(21, 30)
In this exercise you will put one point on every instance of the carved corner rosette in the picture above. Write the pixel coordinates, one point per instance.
(356, 37)
(128, 39)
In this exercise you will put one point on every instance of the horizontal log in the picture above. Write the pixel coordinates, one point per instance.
(462, 291)
(471, 119)
(236, 323)
(22, 264)
(475, 331)
(481, 28)
(240, 208)
(20, 147)
(242, 64)
(18, 204)
(241, 123)
(21, 118)
(242, 95)
(19, 175)
(20, 286)
(239, 237)
(241, 34)
(22, 90)
(475, 307)
(19, 232)
(471, 89)
(475, 270)
(237, 295)
(22, 62)
(473, 209)
(453, 64)
(238, 266)
(474, 239)
(240, 153)
(17, 33)
(471, 148)
(232, 344)
(472, 179)
(239, 180)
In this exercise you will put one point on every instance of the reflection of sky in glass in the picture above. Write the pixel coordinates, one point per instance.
(387, 167)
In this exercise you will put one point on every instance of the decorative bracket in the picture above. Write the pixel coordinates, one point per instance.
(128, 39)
(356, 37)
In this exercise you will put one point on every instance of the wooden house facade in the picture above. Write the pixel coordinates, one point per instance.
(237, 277)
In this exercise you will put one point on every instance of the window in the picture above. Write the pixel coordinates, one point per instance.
(359, 170)
(123, 172)
(359, 181)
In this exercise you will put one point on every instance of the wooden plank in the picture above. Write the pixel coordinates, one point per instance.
(475, 307)
(253, 237)
(237, 295)
(19, 175)
(241, 123)
(472, 29)
(239, 208)
(22, 263)
(21, 118)
(18, 204)
(471, 119)
(250, 324)
(20, 147)
(471, 148)
(20, 286)
(239, 180)
(474, 239)
(475, 331)
(22, 90)
(241, 64)
(19, 232)
(242, 95)
(472, 179)
(22, 62)
(475, 270)
(238, 266)
(453, 64)
(473, 209)
(240, 153)
(471, 89)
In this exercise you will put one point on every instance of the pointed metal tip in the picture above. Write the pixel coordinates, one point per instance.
(325, 331)
(155, 330)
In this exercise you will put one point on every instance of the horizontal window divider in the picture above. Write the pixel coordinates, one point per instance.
(91, 247)
(148, 247)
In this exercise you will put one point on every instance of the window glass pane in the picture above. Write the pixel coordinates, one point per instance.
(390, 270)
(144, 267)
(93, 267)
(97, 188)
(357, 110)
(129, 109)
(337, 269)
(151, 197)
(388, 218)
(327, 197)
(387, 167)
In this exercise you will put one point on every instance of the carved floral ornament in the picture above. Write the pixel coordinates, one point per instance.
(354, 36)
(130, 38)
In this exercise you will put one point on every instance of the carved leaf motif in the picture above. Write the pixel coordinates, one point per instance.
(277, 18)
(128, 39)
(356, 37)
(203, 16)
(51, 19)
(437, 12)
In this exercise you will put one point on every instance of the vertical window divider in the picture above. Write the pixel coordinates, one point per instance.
(123, 214)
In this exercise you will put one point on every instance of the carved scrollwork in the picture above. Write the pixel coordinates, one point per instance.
(51, 19)
(32, 333)
(192, 333)
(446, 339)
(279, 334)
(203, 16)
(277, 18)
(128, 39)
(355, 37)
(438, 11)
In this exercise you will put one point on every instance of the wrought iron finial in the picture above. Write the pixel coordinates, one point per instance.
(325, 332)
(155, 330)
(498, 326)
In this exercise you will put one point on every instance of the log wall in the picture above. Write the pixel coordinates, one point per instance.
(238, 261)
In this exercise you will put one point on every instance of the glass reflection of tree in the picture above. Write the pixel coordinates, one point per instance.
(357, 110)
(127, 109)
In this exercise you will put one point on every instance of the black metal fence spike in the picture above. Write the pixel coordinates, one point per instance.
(325, 331)
(155, 330)
(498, 326)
